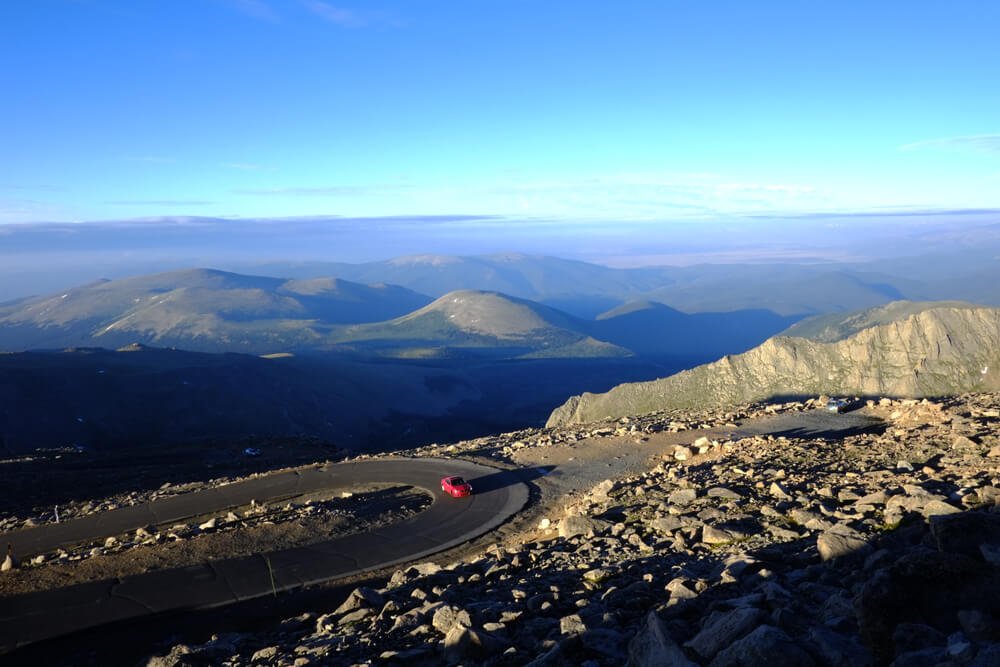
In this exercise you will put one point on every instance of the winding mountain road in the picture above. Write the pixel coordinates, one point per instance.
(33, 617)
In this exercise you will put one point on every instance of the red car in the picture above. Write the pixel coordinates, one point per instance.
(456, 487)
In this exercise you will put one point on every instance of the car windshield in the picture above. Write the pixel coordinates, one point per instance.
(457, 481)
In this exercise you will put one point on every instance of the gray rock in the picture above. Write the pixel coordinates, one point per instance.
(966, 533)
(461, 643)
(609, 643)
(877, 498)
(761, 648)
(572, 625)
(936, 656)
(682, 497)
(979, 625)
(572, 526)
(837, 650)
(265, 654)
(680, 589)
(988, 656)
(722, 492)
(924, 586)
(778, 491)
(938, 508)
(447, 618)
(839, 542)
(911, 637)
(711, 536)
(653, 647)
(361, 597)
(666, 524)
(172, 659)
(355, 616)
(8, 563)
(722, 628)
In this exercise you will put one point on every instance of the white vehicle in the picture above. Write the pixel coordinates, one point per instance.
(836, 405)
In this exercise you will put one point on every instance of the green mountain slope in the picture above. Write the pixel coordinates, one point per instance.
(483, 324)
(200, 309)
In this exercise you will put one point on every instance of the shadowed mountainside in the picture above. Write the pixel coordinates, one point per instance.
(939, 350)
(655, 330)
(141, 398)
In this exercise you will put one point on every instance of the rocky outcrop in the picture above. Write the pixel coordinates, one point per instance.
(940, 351)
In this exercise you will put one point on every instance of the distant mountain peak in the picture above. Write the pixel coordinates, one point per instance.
(432, 260)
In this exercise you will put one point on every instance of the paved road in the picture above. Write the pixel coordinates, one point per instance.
(33, 617)
(810, 424)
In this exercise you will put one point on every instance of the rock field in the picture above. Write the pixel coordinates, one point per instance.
(867, 548)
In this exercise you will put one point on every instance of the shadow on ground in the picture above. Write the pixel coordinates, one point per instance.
(505, 478)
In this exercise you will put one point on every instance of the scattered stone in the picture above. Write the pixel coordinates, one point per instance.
(575, 525)
(446, 618)
(653, 647)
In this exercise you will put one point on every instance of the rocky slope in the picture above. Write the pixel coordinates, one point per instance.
(832, 327)
(868, 549)
(942, 350)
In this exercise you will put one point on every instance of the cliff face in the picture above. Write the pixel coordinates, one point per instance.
(939, 351)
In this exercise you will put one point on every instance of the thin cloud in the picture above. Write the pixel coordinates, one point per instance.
(159, 202)
(881, 212)
(257, 9)
(327, 191)
(983, 143)
(346, 17)
(32, 188)
(244, 166)
(150, 159)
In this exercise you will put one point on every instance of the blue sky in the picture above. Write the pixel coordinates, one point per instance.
(634, 111)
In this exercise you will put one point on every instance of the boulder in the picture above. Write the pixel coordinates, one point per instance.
(967, 533)
(682, 497)
(923, 587)
(575, 525)
(840, 542)
(446, 618)
(361, 597)
(652, 646)
(764, 647)
(722, 628)
(462, 643)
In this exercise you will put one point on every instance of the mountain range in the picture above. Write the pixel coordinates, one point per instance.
(214, 311)
(902, 350)
(199, 309)
(586, 290)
